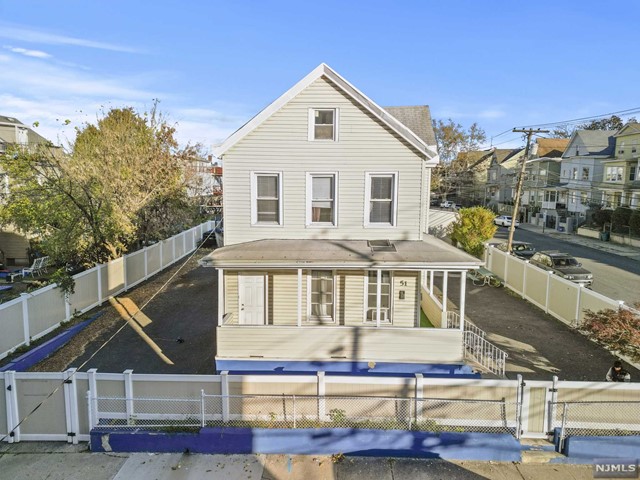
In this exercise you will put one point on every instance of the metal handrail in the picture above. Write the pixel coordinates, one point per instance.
(485, 353)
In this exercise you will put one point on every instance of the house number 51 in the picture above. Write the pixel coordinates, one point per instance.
(403, 283)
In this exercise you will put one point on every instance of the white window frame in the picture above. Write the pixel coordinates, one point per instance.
(311, 136)
(309, 200)
(389, 319)
(334, 275)
(254, 199)
(394, 200)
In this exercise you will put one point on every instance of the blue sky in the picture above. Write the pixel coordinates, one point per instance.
(213, 65)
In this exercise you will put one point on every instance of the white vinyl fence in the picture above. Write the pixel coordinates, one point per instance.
(65, 406)
(563, 299)
(37, 313)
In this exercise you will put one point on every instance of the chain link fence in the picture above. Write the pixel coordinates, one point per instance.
(603, 418)
(293, 411)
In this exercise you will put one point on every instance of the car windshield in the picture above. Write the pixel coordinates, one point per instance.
(565, 262)
(521, 248)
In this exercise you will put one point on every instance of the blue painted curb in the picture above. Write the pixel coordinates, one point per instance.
(322, 441)
(39, 353)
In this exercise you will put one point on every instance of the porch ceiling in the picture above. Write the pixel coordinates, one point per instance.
(430, 253)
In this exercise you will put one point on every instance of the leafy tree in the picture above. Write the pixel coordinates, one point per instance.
(613, 122)
(452, 139)
(602, 216)
(634, 223)
(620, 218)
(562, 131)
(473, 227)
(111, 189)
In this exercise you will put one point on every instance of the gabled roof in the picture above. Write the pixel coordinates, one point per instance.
(323, 70)
(596, 142)
(551, 147)
(32, 136)
(417, 119)
(628, 129)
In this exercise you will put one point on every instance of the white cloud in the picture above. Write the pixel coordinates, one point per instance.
(27, 52)
(25, 34)
(486, 113)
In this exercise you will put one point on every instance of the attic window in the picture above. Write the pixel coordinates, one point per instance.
(381, 246)
(323, 124)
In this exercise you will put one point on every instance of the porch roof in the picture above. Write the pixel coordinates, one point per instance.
(430, 253)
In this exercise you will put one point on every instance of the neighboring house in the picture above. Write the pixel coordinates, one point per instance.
(470, 184)
(542, 176)
(621, 183)
(326, 255)
(582, 174)
(502, 175)
(14, 246)
(205, 184)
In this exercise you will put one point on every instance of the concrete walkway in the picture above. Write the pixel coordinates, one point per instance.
(58, 461)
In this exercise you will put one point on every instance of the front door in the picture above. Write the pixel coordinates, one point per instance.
(251, 299)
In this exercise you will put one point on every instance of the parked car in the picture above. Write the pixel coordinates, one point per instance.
(434, 202)
(519, 249)
(219, 231)
(563, 265)
(447, 204)
(504, 221)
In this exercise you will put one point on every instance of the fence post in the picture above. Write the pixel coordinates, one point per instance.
(67, 307)
(565, 408)
(11, 402)
(519, 401)
(146, 263)
(546, 298)
(321, 397)
(418, 396)
(173, 249)
(552, 404)
(161, 242)
(99, 272)
(124, 273)
(524, 278)
(294, 411)
(184, 243)
(71, 406)
(202, 411)
(24, 298)
(93, 399)
(128, 394)
(578, 301)
(224, 386)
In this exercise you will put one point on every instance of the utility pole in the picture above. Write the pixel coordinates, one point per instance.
(516, 200)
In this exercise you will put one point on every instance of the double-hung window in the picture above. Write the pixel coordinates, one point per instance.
(266, 201)
(378, 295)
(321, 289)
(323, 124)
(381, 198)
(322, 194)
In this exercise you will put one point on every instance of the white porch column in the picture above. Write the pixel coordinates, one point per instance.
(463, 292)
(221, 296)
(299, 297)
(378, 296)
(431, 282)
(445, 284)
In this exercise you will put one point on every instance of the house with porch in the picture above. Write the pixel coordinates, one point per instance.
(621, 184)
(326, 257)
(502, 175)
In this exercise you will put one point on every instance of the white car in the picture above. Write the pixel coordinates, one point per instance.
(504, 221)
(447, 204)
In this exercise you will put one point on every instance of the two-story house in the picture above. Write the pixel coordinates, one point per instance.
(582, 173)
(326, 259)
(502, 175)
(542, 175)
(14, 246)
(621, 183)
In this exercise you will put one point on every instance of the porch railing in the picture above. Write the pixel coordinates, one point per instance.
(477, 348)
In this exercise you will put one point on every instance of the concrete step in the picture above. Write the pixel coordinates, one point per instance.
(538, 450)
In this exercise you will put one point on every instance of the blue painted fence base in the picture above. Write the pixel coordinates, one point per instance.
(324, 441)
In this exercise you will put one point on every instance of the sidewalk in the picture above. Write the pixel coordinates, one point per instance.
(615, 248)
(58, 461)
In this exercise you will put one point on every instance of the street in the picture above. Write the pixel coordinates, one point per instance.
(614, 276)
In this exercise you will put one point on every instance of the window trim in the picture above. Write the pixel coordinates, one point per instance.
(309, 200)
(334, 277)
(394, 200)
(311, 133)
(254, 199)
(389, 320)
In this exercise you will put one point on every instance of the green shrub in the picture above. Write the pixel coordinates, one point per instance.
(620, 219)
(600, 217)
(634, 223)
(473, 227)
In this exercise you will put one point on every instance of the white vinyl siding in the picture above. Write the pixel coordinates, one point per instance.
(364, 145)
